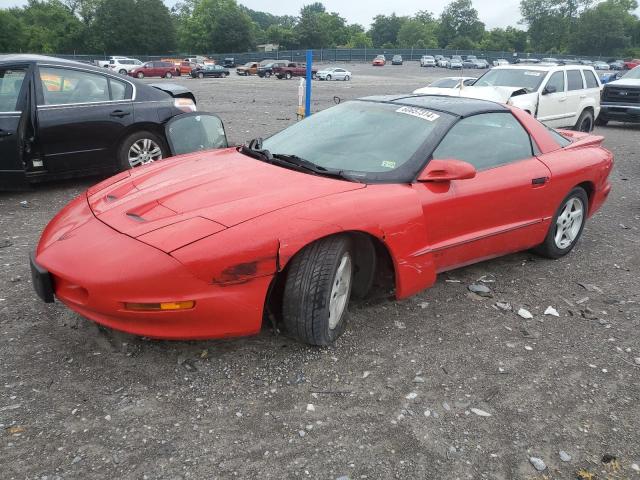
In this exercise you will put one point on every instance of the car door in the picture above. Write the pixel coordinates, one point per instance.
(339, 73)
(575, 95)
(81, 117)
(499, 211)
(552, 103)
(13, 109)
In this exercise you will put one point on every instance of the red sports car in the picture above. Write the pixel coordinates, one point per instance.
(206, 245)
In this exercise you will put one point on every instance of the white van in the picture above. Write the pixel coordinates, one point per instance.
(560, 96)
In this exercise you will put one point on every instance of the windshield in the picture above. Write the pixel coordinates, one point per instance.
(358, 136)
(445, 83)
(529, 79)
(633, 74)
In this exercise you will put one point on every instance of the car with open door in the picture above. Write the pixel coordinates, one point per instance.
(60, 119)
(289, 228)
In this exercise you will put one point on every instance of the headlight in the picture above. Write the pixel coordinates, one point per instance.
(185, 104)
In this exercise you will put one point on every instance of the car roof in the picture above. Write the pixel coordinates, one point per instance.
(540, 67)
(28, 58)
(458, 106)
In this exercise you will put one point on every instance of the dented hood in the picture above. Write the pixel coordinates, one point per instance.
(202, 193)
(494, 94)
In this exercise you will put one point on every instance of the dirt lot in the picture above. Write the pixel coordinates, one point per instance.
(392, 399)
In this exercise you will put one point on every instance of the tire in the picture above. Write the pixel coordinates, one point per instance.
(556, 243)
(200, 75)
(122, 71)
(226, 74)
(585, 122)
(287, 75)
(601, 122)
(140, 75)
(347, 78)
(267, 74)
(328, 77)
(314, 76)
(317, 274)
(139, 138)
(168, 75)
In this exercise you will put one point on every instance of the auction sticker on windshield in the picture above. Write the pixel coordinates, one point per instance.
(533, 74)
(419, 112)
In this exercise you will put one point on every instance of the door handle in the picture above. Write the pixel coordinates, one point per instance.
(5, 134)
(539, 181)
(119, 113)
(562, 99)
(583, 96)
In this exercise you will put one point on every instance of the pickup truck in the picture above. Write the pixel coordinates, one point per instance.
(293, 70)
(105, 63)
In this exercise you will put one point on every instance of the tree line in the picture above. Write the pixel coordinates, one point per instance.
(586, 27)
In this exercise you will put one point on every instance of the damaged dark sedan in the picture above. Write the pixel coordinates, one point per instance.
(60, 118)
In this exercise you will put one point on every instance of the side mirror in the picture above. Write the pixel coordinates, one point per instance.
(447, 170)
(549, 89)
(195, 131)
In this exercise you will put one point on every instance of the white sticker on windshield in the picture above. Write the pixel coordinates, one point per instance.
(419, 112)
(533, 74)
(388, 164)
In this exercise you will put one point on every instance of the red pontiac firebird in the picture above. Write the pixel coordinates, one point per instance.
(204, 245)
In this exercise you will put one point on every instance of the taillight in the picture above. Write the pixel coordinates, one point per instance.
(185, 104)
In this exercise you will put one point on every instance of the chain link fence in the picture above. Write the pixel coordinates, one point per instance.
(328, 55)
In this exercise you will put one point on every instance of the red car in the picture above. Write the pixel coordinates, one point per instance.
(207, 245)
(156, 69)
(379, 61)
(631, 64)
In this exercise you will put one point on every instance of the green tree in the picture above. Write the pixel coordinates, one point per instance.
(416, 33)
(459, 19)
(214, 25)
(50, 27)
(115, 27)
(591, 39)
(359, 40)
(283, 36)
(159, 32)
(504, 39)
(12, 31)
(385, 28)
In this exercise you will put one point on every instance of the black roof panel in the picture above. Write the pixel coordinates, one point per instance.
(459, 106)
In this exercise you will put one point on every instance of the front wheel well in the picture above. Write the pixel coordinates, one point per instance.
(374, 269)
(590, 188)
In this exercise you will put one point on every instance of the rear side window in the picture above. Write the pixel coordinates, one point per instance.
(118, 90)
(560, 139)
(64, 86)
(557, 80)
(574, 80)
(466, 140)
(10, 85)
(590, 79)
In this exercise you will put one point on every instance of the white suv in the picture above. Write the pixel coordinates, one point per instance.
(560, 96)
(124, 65)
(427, 61)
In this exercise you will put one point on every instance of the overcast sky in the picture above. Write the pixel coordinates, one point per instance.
(494, 13)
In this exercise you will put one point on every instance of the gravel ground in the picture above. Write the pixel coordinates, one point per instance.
(441, 385)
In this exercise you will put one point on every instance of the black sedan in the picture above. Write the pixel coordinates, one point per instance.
(396, 60)
(215, 71)
(60, 119)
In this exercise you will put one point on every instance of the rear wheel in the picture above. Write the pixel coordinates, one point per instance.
(168, 75)
(585, 122)
(140, 75)
(317, 291)
(566, 226)
(122, 71)
(288, 75)
(347, 78)
(141, 148)
(200, 75)
(267, 74)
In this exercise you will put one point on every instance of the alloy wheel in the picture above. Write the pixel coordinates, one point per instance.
(144, 151)
(569, 223)
(340, 291)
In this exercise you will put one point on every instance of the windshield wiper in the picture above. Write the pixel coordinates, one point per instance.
(312, 167)
(254, 149)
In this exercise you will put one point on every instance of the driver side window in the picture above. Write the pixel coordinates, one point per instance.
(557, 81)
(486, 141)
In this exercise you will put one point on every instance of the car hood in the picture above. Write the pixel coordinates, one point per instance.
(495, 94)
(210, 190)
(630, 82)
